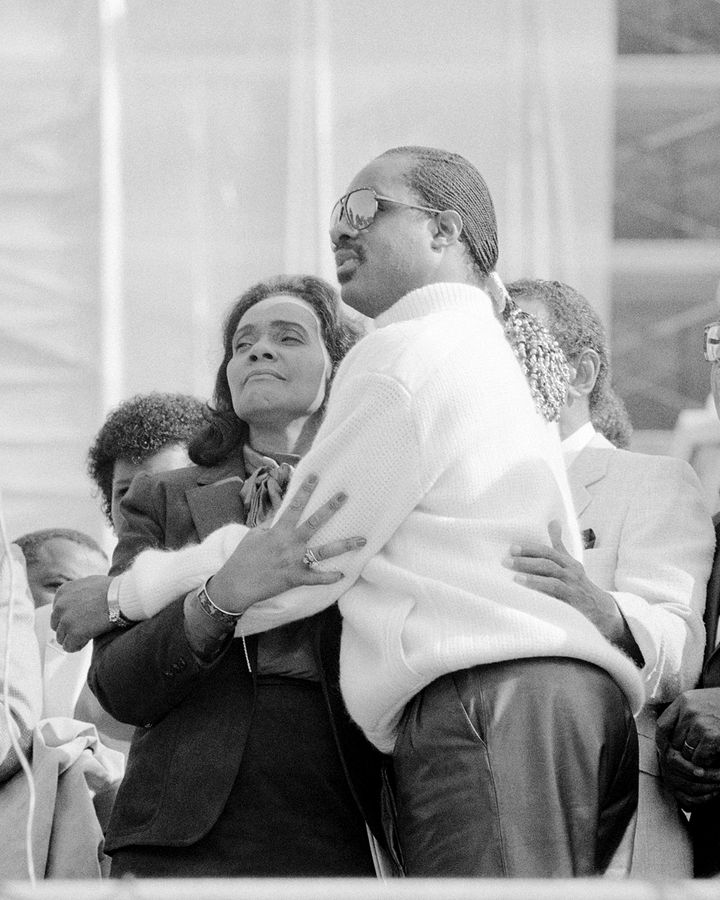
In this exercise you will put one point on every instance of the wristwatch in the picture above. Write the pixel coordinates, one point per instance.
(115, 615)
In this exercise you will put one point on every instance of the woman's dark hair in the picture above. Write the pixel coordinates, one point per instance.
(138, 429)
(224, 432)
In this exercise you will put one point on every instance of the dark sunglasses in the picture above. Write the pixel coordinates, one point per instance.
(712, 342)
(360, 208)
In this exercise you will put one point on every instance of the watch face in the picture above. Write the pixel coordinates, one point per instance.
(117, 618)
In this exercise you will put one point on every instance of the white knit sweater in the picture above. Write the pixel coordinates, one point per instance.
(432, 432)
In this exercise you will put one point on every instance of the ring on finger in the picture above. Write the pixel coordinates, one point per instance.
(310, 560)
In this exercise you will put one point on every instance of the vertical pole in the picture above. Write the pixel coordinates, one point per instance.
(324, 157)
(112, 376)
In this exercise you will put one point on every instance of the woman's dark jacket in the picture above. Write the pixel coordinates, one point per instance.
(193, 719)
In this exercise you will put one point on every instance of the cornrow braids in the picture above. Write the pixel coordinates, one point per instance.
(541, 359)
(445, 180)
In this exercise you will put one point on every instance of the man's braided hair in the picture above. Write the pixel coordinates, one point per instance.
(444, 180)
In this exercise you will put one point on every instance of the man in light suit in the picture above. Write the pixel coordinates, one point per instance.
(648, 551)
(688, 734)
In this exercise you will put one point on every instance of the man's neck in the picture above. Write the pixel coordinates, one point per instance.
(573, 416)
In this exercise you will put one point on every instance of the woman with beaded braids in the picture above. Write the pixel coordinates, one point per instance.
(508, 715)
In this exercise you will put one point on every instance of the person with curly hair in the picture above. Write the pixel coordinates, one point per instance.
(147, 433)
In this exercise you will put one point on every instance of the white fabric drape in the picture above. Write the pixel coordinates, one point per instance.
(235, 127)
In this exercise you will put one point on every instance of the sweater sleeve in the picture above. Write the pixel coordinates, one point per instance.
(367, 447)
(157, 577)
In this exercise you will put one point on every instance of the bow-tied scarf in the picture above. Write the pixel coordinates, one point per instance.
(255, 493)
(287, 649)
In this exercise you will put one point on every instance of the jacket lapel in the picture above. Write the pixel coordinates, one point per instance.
(215, 501)
(589, 467)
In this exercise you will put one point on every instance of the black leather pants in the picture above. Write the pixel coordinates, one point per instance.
(525, 768)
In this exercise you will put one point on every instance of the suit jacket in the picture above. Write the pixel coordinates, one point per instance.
(705, 821)
(653, 551)
(193, 719)
(711, 671)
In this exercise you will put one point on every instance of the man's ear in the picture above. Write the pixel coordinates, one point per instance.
(447, 228)
(585, 371)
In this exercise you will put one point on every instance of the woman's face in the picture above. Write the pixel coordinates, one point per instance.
(279, 368)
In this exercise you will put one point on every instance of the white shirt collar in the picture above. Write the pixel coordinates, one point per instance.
(574, 444)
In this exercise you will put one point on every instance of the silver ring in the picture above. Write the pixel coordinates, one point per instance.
(309, 559)
(689, 748)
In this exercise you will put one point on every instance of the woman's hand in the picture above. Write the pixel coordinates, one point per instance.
(270, 561)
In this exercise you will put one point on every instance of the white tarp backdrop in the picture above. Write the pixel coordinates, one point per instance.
(156, 158)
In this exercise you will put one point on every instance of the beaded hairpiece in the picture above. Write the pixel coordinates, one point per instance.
(542, 361)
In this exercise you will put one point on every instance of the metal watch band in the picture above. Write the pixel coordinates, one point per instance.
(115, 614)
(213, 610)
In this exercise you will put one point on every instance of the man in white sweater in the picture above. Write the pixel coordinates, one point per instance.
(508, 714)
(649, 548)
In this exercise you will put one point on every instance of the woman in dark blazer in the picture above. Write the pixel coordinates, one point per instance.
(244, 761)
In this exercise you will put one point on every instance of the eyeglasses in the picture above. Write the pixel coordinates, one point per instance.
(712, 342)
(360, 208)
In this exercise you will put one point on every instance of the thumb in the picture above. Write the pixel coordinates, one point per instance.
(555, 532)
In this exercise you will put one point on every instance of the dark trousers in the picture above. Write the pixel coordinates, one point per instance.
(705, 830)
(525, 768)
(290, 812)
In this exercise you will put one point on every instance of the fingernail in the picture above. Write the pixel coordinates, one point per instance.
(312, 479)
(515, 550)
(520, 579)
(508, 562)
(341, 497)
(361, 542)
